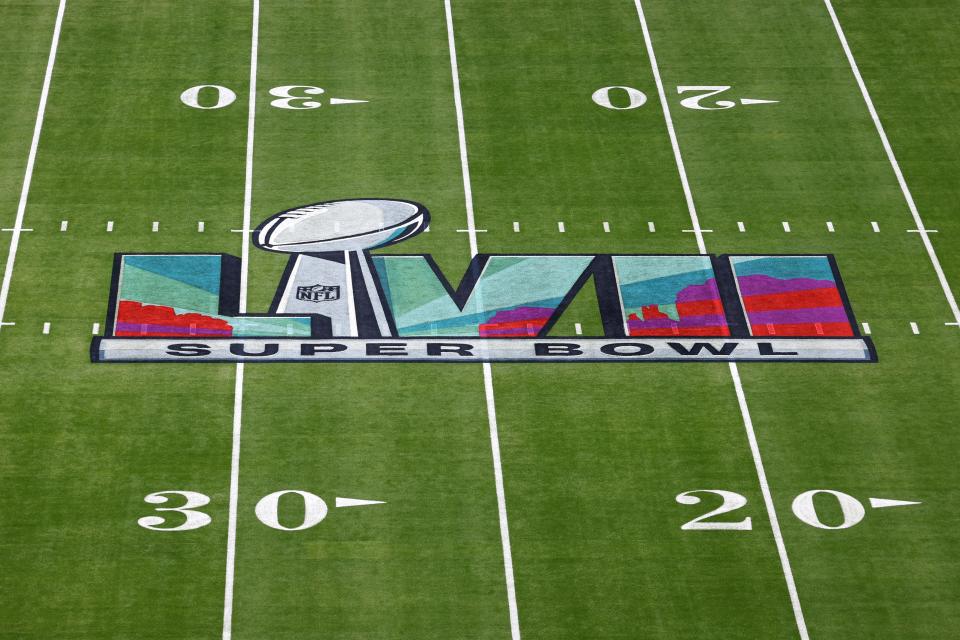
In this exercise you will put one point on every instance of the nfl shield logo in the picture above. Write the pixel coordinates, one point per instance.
(318, 293)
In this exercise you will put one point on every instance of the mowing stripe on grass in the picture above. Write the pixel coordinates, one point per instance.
(31, 160)
(238, 383)
(907, 195)
(734, 371)
(487, 369)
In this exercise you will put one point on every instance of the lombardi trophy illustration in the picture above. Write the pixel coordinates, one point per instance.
(329, 272)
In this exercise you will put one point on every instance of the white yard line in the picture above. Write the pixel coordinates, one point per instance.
(487, 369)
(31, 160)
(238, 383)
(768, 501)
(734, 371)
(907, 196)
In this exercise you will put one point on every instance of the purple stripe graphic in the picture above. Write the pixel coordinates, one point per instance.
(137, 327)
(760, 285)
(686, 321)
(696, 292)
(793, 316)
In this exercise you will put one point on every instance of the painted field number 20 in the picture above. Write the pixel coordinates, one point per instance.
(700, 98)
(852, 511)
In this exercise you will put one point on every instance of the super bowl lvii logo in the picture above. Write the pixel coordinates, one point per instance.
(339, 301)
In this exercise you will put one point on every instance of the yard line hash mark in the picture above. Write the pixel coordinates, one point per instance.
(606, 227)
(46, 328)
(741, 227)
(561, 227)
(875, 226)
(31, 160)
(487, 369)
(63, 225)
(786, 226)
(914, 328)
(200, 226)
(652, 228)
(516, 227)
(734, 370)
(907, 195)
(830, 227)
(238, 381)
(109, 226)
(866, 328)
(155, 227)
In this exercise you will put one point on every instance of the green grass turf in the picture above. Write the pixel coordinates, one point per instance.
(593, 455)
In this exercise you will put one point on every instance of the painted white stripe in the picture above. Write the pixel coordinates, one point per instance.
(914, 328)
(561, 228)
(31, 160)
(516, 227)
(671, 132)
(109, 226)
(606, 227)
(234, 494)
(652, 228)
(238, 380)
(907, 195)
(578, 328)
(200, 226)
(875, 227)
(96, 328)
(830, 227)
(734, 371)
(46, 328)
(786, 226)
(63, 225)
(768, 502)
(866, 328)
(741, 227)
(155, 227)
(487, 369)
(461, 131)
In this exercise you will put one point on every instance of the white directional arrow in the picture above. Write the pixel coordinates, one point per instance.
(757, 101)
(345, 101)
(883, 503)
(354, 502)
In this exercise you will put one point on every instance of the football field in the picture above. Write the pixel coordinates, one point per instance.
(347, 500)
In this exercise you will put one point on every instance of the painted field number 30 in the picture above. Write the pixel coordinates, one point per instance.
(852, 511)
(267, 510)
(296, 97)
